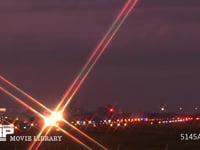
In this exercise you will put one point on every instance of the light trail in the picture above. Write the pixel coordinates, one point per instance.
(34, 142)
(43, 117)
(24, 93)
(40, 142)
(85, 135)
(66, 133)
(92, 55)
(91, 65)
(87, 68)
(51, 112)
(21, 102)
(97, 49)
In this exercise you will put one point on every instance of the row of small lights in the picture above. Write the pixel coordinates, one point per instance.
(25, 126)
(125, 122)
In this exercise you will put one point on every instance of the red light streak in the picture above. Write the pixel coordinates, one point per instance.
(96, 54)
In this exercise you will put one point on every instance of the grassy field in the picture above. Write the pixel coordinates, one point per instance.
(137, 137)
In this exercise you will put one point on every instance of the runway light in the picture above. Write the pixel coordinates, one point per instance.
(162, 109)
(81, 122)
(84, 122)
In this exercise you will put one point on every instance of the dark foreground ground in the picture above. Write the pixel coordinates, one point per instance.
(137, 137)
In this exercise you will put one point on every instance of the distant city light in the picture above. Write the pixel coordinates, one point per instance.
(2, 109)
(197, 118)
(111, 110)
(162, 109)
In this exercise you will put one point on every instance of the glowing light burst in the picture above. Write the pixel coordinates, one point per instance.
(53, 119)
(48, 120)
(43, 117)
(56, 115)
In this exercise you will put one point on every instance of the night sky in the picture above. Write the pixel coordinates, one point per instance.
(153, 61)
